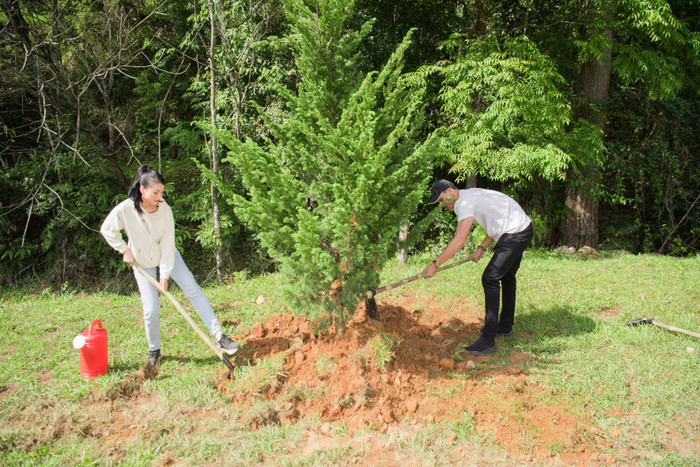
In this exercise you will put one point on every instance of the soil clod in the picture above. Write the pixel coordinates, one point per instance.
(149, 371)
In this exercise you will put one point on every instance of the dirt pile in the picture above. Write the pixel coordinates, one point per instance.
(406, 370)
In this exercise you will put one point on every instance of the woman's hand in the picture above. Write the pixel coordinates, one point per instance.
(128, 257)
(163, 284)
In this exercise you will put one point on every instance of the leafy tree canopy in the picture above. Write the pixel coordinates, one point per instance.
(505, 107)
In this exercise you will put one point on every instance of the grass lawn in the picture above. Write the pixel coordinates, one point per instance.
(637, 388)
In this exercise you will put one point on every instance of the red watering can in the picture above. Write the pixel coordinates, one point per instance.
(92, 344)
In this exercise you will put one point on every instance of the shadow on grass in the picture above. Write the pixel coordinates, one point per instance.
(132, 366)
(126, 367)
(545, 332)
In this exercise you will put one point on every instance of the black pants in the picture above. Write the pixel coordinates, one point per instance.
(501, 270)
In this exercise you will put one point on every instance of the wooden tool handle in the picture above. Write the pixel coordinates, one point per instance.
(673, 328)
(393, 285)
(182, 311)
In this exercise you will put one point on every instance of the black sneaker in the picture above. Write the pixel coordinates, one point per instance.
(153, 357)
(506, 334)
(228, 345)
(484, 346)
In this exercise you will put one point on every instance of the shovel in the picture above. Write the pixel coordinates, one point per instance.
(370, 302)
(636, 321)
(188, 318)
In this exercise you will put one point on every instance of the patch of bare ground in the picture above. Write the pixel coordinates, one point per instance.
(683, 438)
(121, 415)
(339, 379)
(609, 312)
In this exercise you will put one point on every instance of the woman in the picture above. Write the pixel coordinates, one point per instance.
(148, 222)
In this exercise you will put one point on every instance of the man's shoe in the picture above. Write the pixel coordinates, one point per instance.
(484, 346)
(153, 357)
(506, 334)
(228, 345)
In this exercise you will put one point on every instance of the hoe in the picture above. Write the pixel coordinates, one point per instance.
(370, 302)
(637, 321)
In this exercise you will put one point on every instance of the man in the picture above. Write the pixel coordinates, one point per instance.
(505, 223)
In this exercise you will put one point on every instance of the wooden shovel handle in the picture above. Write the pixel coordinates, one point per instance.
(182, 311)
(393, 285)
(675, 329)
(636, 321)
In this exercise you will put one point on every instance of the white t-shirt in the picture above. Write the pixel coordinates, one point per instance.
(151, 236)
(494, 211)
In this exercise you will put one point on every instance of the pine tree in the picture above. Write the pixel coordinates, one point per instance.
(327, 193)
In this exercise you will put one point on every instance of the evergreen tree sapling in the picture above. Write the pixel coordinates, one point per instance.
(328, 192)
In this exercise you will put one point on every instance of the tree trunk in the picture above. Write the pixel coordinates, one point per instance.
(581, 227)
(214, 149)
(402, 254)
(480, 26)
(592, 84)
(478, 105)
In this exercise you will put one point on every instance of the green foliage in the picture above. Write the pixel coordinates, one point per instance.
(649, 185)
(241, 58)
(49, 224)
(178, 101)
(504, 108)
(648, 190)
(418, 229)
(650, 37)
(584, 142)
(91, 90)
(328, 194)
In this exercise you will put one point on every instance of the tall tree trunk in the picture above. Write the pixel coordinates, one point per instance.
(480, 26)
(478, 106)
(402, 254)
(214, 149)
(592, 85)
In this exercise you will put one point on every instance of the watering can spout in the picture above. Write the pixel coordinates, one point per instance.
(79, 342)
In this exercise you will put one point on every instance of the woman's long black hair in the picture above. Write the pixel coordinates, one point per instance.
(145, 177)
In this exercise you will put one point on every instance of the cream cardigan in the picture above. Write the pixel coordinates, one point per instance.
(151, 236)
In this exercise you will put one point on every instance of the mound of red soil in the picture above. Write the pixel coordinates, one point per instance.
(408, 368)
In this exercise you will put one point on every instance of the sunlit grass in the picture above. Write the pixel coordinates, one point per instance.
(570, 319)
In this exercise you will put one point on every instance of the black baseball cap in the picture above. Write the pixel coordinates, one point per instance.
(437, 189)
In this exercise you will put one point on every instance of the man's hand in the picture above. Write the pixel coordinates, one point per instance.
(163, 284)
(476, 256)
(430, 270)
(128, 257)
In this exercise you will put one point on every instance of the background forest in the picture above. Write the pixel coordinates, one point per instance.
(585, 111)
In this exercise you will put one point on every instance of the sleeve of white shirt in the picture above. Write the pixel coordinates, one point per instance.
(111, 230)
(167, 247)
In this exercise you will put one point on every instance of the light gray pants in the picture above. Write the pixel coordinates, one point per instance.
(151, 302)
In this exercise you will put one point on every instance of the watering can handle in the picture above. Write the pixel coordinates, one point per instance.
(97, 321)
